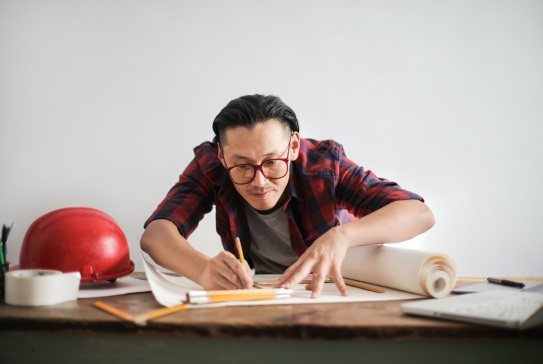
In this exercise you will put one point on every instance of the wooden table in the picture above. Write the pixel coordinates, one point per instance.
(77, 332)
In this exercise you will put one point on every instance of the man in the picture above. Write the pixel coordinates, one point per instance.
(296, 204)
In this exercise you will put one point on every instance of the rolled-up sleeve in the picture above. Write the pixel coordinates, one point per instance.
(361, 192)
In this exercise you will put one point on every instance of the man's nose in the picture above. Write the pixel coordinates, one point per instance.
(260, 179)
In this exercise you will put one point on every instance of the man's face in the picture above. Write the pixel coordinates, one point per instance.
(264, 141)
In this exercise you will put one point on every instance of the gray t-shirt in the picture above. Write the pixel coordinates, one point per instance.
(271, 251)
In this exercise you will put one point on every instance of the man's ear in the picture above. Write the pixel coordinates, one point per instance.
(295, 145)
(220, 155)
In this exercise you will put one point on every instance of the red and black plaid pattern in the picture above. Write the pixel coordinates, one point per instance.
(326, 189)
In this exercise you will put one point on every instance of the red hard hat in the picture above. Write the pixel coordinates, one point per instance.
(77, 239)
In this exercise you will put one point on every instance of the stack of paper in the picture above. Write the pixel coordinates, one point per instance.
(402, 273)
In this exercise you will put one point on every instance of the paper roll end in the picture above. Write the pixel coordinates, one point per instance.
(440, 284)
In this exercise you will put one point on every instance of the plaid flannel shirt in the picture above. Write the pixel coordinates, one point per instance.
(325, 188)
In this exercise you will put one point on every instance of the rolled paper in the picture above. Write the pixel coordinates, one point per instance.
(416, 271)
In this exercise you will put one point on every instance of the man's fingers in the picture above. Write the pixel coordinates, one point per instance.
(246, 275)
(322, 259)
(316, 284)
(294, 274)
(340, 284)
(232, 274)
(238, 274)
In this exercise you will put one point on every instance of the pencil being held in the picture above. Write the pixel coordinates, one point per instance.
(240, 251)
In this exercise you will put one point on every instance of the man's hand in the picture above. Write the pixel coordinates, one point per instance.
(224, 271)
(395, 222)
(323, 259)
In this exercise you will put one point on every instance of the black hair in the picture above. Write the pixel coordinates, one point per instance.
(252, 109)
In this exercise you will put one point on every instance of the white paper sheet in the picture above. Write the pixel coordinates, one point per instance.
(170, 291)
(122, 285)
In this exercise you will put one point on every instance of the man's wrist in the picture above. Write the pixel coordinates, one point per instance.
(344, 234)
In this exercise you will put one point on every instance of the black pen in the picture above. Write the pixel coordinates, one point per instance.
(506, 282)
(4, 239)
(4, 232)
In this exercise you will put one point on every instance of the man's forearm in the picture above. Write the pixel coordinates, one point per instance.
(170, 250)
(395, 222)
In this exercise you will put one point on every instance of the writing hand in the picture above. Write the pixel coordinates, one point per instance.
(224, 271)
(323, 259)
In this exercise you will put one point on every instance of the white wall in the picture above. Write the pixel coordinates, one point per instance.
(101, 103)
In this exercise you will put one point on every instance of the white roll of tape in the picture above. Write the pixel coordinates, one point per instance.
(35, 287)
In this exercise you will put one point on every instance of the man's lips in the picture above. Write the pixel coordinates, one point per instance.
(260, 194)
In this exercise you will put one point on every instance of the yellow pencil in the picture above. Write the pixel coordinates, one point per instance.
(357, 284)
(237, 295)
(114, 311)
(143, 318)
(271, 282)
(240, 251)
